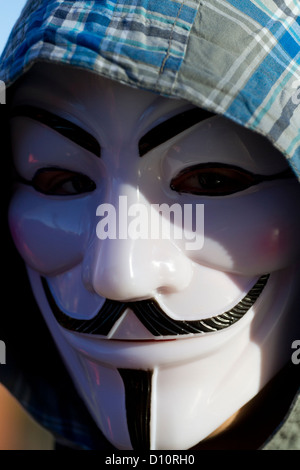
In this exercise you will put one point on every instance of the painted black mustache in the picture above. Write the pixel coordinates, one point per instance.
(152, 316)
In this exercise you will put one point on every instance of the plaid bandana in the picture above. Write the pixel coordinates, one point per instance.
(239, 59)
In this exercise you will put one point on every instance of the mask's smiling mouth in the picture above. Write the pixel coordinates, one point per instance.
(152, 316)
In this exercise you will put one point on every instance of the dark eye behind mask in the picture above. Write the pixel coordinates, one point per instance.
(216, 179)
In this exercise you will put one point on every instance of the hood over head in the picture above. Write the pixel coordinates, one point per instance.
(179, 50)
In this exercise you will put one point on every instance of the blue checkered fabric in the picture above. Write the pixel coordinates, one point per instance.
(132, 41)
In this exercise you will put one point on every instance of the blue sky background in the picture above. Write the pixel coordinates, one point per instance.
(9, 12)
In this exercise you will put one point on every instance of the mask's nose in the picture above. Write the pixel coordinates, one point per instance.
(130, 268)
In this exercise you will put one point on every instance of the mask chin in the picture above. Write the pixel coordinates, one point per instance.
(173, 394)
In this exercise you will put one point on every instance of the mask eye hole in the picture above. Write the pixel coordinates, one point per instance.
(60, 182)
(212, 180)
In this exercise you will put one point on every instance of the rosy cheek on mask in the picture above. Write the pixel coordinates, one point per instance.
(273, 242)
(51, 235)
(250, 233)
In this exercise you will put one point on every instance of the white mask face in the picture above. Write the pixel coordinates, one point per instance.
(165, 335)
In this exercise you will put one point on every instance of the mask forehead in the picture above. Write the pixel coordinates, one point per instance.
(98, 104)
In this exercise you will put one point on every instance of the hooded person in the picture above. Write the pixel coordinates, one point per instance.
(152, 274)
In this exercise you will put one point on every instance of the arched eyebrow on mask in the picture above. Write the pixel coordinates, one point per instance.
(155, 137)
(62, 126)
(172, 127)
